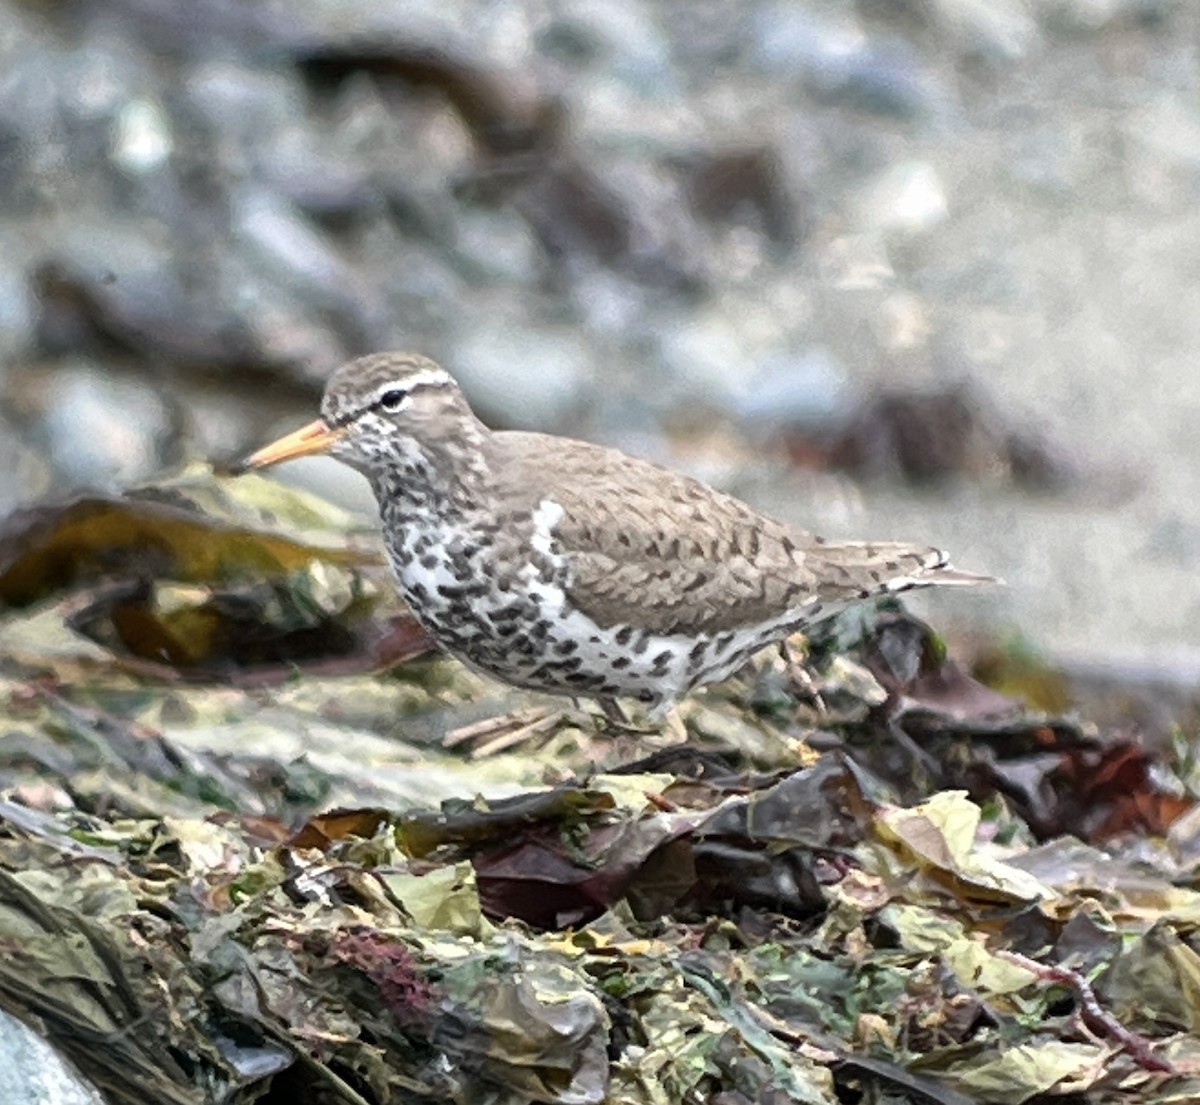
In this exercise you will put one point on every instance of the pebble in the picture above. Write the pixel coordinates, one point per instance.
(28, 475)
(809, 390)
(141, 140)
(908, 197)
(829, 50)
(523, 376)
(104, 431)
(995, 31)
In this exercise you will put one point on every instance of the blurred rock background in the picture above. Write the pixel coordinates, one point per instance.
(919, 270)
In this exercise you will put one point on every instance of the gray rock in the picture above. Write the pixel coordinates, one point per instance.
(103, 430)
(33, 1073)
(707, 358)
(246, 106)
(496, 245)
(991, 30)
(908, 196)
(27, 474)
(141, 137)
(809, 389)
(830, 52)
(18, 308)
(622, 38)
(291, 248)
(1092, 15)
(517, 375)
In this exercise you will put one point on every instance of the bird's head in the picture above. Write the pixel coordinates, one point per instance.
(382, 412)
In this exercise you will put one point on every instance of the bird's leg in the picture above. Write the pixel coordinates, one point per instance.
(663, 719)
(611, 709)
(620, 720)
(798, 673)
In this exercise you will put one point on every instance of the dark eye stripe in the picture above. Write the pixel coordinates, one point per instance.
(344, 405)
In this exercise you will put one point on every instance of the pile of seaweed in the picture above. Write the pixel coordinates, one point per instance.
(258, 842)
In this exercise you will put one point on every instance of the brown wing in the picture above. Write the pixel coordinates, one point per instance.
(653, 548)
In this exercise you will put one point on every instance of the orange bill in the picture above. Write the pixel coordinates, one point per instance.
(316, 437)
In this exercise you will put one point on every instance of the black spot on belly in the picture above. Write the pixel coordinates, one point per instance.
(623, 634)
(587, 679)
(565, 648)
(620, 663)
(698, 651)
(429, 561)
(456, 592)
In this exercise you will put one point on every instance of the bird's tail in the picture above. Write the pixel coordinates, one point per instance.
(882, 568)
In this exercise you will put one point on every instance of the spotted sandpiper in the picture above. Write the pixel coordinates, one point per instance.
(561, 566)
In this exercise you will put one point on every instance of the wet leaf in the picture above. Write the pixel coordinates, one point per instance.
(941, 836)
(1026, 1070)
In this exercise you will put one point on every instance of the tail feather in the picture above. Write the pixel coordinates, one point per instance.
(937, 571)
(950, 576)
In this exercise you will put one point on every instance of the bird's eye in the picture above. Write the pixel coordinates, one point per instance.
(393, 399)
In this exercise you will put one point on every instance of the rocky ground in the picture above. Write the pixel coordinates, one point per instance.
(706, 232)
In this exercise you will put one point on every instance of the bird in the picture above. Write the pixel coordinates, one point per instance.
(560, 566)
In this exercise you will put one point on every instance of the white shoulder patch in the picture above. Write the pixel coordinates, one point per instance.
(545, 518)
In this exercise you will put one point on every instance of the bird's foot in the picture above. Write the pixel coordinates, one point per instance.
(613, 713)
(795, 657)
